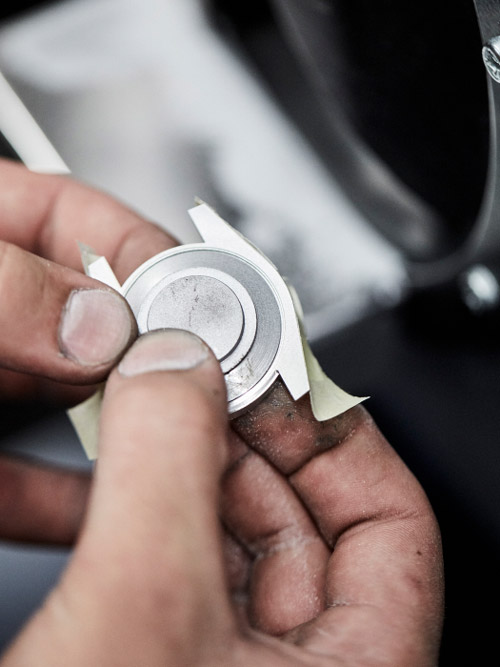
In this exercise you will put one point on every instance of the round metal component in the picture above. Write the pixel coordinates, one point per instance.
(202, 305)
(220, 296)
(194, 310)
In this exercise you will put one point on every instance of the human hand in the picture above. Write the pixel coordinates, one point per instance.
(331, 554)
(57, 323)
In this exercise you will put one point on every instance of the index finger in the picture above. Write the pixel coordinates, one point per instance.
(47, 215)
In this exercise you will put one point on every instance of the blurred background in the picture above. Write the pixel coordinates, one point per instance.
(340, 141)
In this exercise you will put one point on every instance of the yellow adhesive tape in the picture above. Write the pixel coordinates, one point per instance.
(85, 418)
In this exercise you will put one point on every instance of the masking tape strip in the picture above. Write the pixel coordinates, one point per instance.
(85, 418)
(328, 400)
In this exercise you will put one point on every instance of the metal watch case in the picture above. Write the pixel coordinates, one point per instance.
(229, 294)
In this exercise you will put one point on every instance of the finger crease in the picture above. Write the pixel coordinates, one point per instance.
(323, 450)
(294, 543)
(381, 518)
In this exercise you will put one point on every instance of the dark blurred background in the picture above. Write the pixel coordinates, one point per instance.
(374, 138)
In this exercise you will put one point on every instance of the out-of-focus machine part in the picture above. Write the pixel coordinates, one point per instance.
(411, 134)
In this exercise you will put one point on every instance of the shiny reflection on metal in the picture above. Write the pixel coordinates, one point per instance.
(480, 289)
(491, 58)
(230, 295)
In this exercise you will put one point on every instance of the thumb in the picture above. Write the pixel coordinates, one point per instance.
(147, 577)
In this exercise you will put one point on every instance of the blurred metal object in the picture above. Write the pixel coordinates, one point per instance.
(225, 291)
(416, 170)
(486, 239)
(491, 58)
(479, 289)
(389, 116)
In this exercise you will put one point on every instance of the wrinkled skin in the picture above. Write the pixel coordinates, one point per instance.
(274, 541)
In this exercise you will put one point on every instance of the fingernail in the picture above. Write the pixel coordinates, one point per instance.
(165, 350)
(96, 326)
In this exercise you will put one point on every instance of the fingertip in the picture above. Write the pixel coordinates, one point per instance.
(96, 327)
(164, 350)
(177, 368)
(185, 361)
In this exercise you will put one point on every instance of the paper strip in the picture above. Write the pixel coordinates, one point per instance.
(85, 418)
(328, 400)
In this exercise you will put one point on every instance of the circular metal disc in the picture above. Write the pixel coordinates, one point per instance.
(222, 298)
